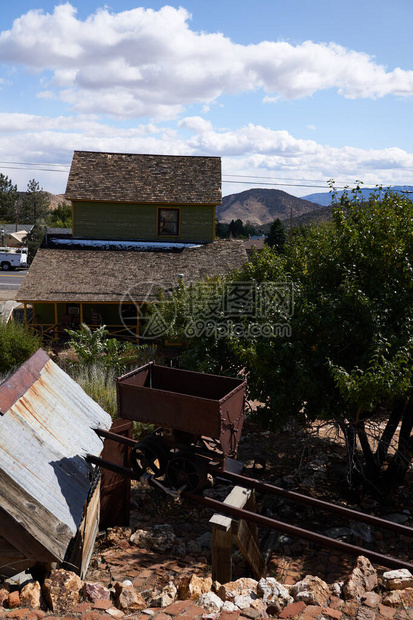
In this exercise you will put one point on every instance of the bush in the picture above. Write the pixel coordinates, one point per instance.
(17, 344)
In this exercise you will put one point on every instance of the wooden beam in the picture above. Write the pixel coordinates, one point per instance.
(249, 548)
(221, 555)
(29, 526)
(246, 537)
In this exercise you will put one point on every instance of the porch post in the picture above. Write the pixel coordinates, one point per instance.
(56, 321)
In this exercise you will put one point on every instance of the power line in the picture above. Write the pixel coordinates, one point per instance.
(278, 184)
(40, 169)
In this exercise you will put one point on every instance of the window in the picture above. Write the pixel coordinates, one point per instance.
(168, 222)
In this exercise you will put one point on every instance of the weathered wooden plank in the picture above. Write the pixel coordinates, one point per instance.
(29, 526)
(237, 498)
(221, 555)
(82, 547)
(249, 548)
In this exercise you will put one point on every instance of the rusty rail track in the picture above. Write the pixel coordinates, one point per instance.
(267, 522)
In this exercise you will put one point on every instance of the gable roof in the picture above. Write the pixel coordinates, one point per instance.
(136, 178)
(110, 275)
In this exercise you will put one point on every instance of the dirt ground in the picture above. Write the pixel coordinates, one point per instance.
(6, 295)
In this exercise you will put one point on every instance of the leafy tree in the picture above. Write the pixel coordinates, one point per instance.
(8, 199)
(236, 228)
(61, 217)
(277, 236)
(35, 205)
(34, 240)
(222, 230)
(17, 344)
(348, 358)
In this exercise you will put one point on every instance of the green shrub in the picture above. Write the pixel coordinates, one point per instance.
(17, 344)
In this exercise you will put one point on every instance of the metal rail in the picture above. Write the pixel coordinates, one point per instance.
(264, 487)
(293, 530)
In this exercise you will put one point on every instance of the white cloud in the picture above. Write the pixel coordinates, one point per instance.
(250, 151)
(144, 62)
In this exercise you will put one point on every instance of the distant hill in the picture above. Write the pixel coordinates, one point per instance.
(54, 199)
(324, 198)
(262, 206)
(317, 216)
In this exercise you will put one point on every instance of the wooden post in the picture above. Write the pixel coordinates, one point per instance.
(56, 320)
(246, 537)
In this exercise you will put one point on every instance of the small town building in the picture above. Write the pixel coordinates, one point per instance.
(139, 223)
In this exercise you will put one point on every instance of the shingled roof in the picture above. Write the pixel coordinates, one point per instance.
(145, 179)
(108, 275)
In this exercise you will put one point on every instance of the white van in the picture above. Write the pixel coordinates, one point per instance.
(13, 257)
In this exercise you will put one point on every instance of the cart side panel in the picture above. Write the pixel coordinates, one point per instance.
(232, 413)
(170, 410)
(213, 387)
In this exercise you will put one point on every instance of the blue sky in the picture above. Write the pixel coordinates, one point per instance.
(290, 93)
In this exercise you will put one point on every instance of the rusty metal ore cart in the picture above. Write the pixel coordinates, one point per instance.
(200, 418)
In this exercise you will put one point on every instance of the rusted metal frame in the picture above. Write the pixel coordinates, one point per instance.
(115, 437)
(318, 503)
(323, 541)
(118, 469)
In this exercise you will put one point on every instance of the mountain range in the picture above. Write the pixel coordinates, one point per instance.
(262, 206)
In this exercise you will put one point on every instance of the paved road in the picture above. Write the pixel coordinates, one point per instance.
(11, 280)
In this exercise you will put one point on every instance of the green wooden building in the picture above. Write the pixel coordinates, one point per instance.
(144, 197)
(139, 222)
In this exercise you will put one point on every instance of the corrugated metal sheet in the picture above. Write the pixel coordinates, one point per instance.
(45, 433)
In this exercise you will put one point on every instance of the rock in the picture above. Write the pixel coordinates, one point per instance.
(13, 600)
(244, 601)
(363, 531)
(128, 599)
(117, 534)
(4, 593)
(258, 605)
(371, 599)
(95, 591)
(166, 597)
(363, 578)
(311, 590)
(399, 598)
(241, 587)
(161, 539)
(205, 540)
(193, 548)
(142, 539)
(211, 602)
(397, 518)
(61, 590)
(31, 595)
(228, 606)
(115, 613)
(398, 579)
(192, 587)
(274, 609)
(273, 592)
(335, 588)
(338, 532)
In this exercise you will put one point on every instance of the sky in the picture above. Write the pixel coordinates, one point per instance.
(289, 93)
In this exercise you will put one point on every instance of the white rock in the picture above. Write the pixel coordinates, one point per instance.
(243, 601)
(271, 591)
(228, 606)
(398, 579)
(210, 602)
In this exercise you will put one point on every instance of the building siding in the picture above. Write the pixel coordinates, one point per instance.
(139, 222)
